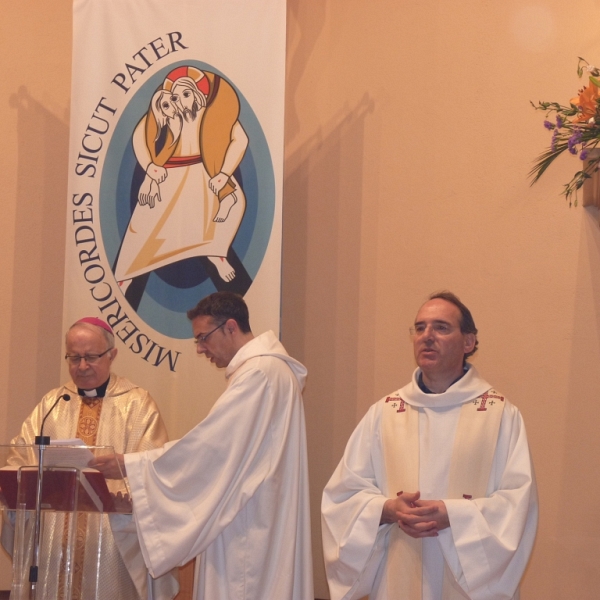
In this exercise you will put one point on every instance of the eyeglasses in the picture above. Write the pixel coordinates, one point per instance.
(439, 328)
(90, 359)
(201, 339)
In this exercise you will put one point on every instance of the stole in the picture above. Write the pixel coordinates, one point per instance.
(472, 456)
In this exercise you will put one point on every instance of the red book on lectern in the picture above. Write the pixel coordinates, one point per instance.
(58, 489)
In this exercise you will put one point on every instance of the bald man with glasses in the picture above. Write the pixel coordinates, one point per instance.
(103, 409)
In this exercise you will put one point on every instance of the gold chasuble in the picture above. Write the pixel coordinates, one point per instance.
(89, 420)
(128, 419)
(472, 456)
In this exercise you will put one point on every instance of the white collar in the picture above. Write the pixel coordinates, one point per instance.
(467, 388)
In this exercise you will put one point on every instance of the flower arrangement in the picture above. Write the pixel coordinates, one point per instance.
(575, 128)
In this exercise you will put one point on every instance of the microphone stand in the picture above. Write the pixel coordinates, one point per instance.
(41, 441)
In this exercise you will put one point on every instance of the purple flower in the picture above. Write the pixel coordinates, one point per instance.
(549, 125)
(574, 140)
(559, 121)
(583, 155)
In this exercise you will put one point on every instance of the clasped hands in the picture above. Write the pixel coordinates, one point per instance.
(417, 518)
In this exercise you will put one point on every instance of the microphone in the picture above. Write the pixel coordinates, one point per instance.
(44, 440)
(41, 441)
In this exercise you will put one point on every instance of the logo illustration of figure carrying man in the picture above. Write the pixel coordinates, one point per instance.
(189, 204)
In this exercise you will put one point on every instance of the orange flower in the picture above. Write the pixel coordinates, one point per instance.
(586, 101)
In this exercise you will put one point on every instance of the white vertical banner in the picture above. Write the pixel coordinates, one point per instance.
(175, 180)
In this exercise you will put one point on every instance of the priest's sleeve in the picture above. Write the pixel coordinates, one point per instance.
(354, 543)
(490, 539)
(187, 493)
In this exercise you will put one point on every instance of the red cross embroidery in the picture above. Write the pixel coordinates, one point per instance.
(485, 397)
(394, 400)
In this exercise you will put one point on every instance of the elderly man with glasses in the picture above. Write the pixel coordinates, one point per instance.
(435, 497)
(104, 409)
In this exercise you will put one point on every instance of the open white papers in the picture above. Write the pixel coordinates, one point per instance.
(67, 453)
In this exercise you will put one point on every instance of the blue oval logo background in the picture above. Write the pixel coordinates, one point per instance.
(169, 292)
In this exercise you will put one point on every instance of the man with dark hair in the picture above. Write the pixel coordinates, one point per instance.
(467, 324)
(223, 306)
(435, 498)
(234, 490)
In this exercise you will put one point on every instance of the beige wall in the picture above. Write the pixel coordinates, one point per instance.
(409, 136)
(35, 69)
